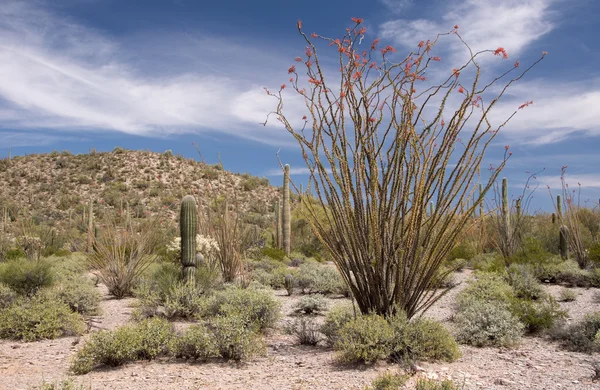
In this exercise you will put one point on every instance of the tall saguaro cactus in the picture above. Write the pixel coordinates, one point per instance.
(278, 230)
(286, 217)
(188, 223)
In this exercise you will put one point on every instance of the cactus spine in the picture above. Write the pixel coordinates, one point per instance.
(278, 230)
(90, 238)
(187, 226)
(286, 218)
(563, 242)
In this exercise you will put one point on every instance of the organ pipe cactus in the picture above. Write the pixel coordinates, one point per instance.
(187, 225)
(286, 218)
(505, 207)
(278, 230)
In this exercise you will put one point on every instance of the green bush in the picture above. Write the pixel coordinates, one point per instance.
(184, 300)
(580, 336)
(422, 339)
(7, 296)
(537, 315)
(524, 282)
(66, 384)
(258, 307)
(316, 278)
(25, 276)
(197, 342)
(311, 304)
(487, 323)
(273, 253)
(487, 287)
(567, 295)
(489, 262)
(78, 293)
(366, 339)
(236, 338)
(37, 318)
(431, 384)
(335, 319)
(14, 254)
(388, 381)
(147, 339)
(463, 250)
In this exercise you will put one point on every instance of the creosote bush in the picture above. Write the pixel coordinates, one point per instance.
(580, 336)
(37, 318)
(147, 339)
(311, 304)
(26, 276)
(305, 330)
(335, 319)
(388, 381)
(372, 337)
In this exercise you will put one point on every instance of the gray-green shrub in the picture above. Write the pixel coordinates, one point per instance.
(196, 342)
(335, 319)
(311, 304)
(367, 339)
(37, 318)
(25, 276)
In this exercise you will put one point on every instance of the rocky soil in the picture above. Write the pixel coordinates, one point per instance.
(536, 364)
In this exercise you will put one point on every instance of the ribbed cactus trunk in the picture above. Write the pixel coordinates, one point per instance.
(505, 207)
(564, 242)
(187, 225)
(286, 217)
(90, 238)
(518, 206)
(559, 207)
(278, 229)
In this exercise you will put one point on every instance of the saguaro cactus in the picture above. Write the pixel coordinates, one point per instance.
(558, 207)
(286, 217)
(564, 242)
(187, 225)
(278, 230)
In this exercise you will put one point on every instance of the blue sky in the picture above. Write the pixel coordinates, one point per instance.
(160, 75)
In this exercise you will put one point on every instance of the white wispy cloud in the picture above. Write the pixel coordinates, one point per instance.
(397, 6)
(293, 171)
(586, 180)
(512, 24)
(61, 75)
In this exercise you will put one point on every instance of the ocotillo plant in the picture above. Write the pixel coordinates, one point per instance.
(564, 242)
(374, 169)
(286, 217)
(188, 223)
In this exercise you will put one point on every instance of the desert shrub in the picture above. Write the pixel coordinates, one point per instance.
(316, 278)
(489, 262)
(537, 315)
(524, 282)
(335, 319)
(388, 381)
(273, 253)
(567, 295)
(25, 276)
(147, 339)
(487, 323)
(66, 384)
(366, 339)
(531, 252)
(305, 330)
(311, 304)
(431, 384)
(236, 338)
(422, 339)
(13, 254)
(487, 287)
(464, 250)
(37, 318)
(184, 300)
(580, 336)
(258, 307)
(78, 293)
(594, 253)
(7, 296)
(197, 342)
(569, 274)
